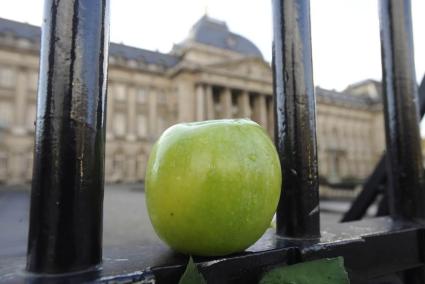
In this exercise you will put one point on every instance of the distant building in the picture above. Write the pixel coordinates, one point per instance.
(213, 73)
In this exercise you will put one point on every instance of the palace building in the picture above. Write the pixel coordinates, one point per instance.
(213, 73)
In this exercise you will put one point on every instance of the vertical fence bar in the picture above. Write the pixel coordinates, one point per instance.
(404, 159)
(295, 128)
(65, 233)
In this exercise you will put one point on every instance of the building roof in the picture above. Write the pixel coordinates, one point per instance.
(144, 55)
(345, 98)
(359, 86)
(20, 30)
(213, 32)
(33, 34)
(364, 82)
(206, 31)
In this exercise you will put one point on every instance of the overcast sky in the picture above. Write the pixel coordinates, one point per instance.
(346, 45)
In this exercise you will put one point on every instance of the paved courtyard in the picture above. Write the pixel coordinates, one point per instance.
(125, 217)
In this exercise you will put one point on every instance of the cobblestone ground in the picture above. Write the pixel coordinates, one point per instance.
(125, 218)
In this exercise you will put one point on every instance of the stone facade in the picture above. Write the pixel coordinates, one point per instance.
(212, 74)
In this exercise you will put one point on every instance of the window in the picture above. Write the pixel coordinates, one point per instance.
(7, 77)
(162, 123)
(29, 160)
(253, 107)
(31, 116)
(141, 125)
(120, 124)
(110, 91)
(3, 164)
(108, 167)
(118, 166)
(335, 166)
(132, 63)
(119, 92)
(33, 81)
(142, 95)
(217, 104)
(6, 115)
(161, 97)
(235, 106)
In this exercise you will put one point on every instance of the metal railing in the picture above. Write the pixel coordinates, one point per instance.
(65, 233)
(67, 190)
(375, 184)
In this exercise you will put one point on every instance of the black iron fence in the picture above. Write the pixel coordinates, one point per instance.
(67, 191)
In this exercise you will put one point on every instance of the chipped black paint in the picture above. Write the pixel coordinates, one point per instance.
(295, 128)
(404, 159)
(65, 232)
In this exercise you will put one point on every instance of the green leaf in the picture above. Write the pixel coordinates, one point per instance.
(192, 274)
(323, 271)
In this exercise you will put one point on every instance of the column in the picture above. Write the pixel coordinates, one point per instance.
(186, 99)
(226, 103)
(20, 101)
(243, 103)
(270, 122)
(152, 112)
(209, 102)
(260, 110)
(200, 104)
(131, 113)
(110, 112)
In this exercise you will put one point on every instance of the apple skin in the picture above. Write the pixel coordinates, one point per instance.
(212, 187)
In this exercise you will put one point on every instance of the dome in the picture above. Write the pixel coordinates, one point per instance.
(213, 32)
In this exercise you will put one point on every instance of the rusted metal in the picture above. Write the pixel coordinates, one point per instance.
(295, 128)
(404, 158)
(65, 233)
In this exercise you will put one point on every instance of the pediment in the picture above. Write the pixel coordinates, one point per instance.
(249, 67)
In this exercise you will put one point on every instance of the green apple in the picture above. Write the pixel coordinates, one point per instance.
(212, 187)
